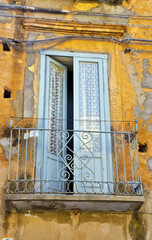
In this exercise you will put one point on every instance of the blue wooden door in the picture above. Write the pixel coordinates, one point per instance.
(92, 145)
(55, 123)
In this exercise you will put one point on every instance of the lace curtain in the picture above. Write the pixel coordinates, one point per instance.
(55, 112)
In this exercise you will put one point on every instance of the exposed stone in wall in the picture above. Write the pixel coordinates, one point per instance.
(149, 163)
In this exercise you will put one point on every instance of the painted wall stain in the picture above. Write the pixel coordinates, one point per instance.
(138, 227)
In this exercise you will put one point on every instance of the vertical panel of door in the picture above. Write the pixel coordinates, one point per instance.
(55, 114)
(40, 143)
(90, 140)
(107, 126)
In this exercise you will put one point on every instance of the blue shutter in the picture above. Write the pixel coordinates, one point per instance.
(55, 115)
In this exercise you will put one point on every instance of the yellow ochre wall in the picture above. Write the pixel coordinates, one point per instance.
(130, 88)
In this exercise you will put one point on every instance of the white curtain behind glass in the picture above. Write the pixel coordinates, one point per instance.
(90, 100)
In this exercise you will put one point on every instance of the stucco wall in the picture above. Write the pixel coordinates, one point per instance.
(130, 86)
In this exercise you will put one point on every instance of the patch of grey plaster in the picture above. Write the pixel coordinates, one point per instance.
(32, 36)
(145, 116)
(140, 93)
(137, 111)
(148, 103)
(146, 63)
(133, 77)
(49, 35)
(29, 77)
(28, 94)
(28, 107)
(143, 99)
(18, 104)
(5, 143)
(149, 163)
(30, 59)
(146, 82)
(148, 127)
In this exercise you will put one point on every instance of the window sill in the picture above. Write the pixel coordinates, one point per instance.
(42, 202)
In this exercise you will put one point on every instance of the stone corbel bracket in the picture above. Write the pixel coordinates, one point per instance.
(71, 27)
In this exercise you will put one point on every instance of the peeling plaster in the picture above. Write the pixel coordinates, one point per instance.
(143, 98)
(137, 111)
(133, 77)
(146, 63)
(148, 127)
(147, 80)
(18, 104)
(30, 59)
(5, 143)
(28, 93)
(148, 103)
(149, 163)
(146, 114)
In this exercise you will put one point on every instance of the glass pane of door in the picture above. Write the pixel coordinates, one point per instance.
(55, 123)
(90, 151)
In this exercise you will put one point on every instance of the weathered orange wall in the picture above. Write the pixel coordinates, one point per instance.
(128, 101)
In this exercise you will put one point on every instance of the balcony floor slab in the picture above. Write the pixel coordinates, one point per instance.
(42, 202)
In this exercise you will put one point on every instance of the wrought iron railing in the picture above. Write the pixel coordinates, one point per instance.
(73, 162)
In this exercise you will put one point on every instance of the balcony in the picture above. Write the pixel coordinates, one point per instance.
(73, 169)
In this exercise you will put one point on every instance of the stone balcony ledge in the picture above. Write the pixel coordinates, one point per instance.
(42, 202)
